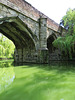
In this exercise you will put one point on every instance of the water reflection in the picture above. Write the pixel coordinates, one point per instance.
(50, 64)
(7, 75)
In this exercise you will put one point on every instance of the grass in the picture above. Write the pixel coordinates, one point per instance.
(41, 82)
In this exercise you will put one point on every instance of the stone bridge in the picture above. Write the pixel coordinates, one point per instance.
(31, 31)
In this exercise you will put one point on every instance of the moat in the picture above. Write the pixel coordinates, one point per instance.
(54, 81)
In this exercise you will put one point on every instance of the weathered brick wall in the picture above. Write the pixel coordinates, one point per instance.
(28, 10)
(26, 7)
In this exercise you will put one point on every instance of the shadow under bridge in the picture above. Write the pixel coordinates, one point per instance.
(19, 33)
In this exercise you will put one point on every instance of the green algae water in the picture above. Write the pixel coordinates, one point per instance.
(7, 75)
(55, 81)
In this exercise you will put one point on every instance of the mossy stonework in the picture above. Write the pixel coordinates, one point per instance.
(29, 29)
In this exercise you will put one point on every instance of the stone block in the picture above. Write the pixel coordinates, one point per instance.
(3, 2)
(3, 13)
(1, 7)
(12, 12)
(43, 55)
(20, 54)
(5, 9)
(16, 8)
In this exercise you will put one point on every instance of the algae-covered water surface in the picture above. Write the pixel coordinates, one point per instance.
(37, 82)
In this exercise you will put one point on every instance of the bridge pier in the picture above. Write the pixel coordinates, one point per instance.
(23, 55)
(39, 55)
(43, 56)
(43, 40)
(43, 33)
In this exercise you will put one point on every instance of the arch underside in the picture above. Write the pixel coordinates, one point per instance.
(50, 40)
(17, 32)
(54, 54)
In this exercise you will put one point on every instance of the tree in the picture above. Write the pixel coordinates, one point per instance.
(6, 47)
(67, 43)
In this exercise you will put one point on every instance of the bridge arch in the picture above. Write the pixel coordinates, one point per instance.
(23, 31)
(50, 39)
(17, 31)
(20, 34)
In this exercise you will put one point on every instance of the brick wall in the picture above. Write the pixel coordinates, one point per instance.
(35, 13)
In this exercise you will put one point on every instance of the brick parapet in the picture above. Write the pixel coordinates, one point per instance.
(28, 10)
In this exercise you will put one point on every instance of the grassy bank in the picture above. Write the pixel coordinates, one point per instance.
(41, 82)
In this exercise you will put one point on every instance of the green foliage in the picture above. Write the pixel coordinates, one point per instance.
(6, 47)
(67, 43)
(69, 20)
